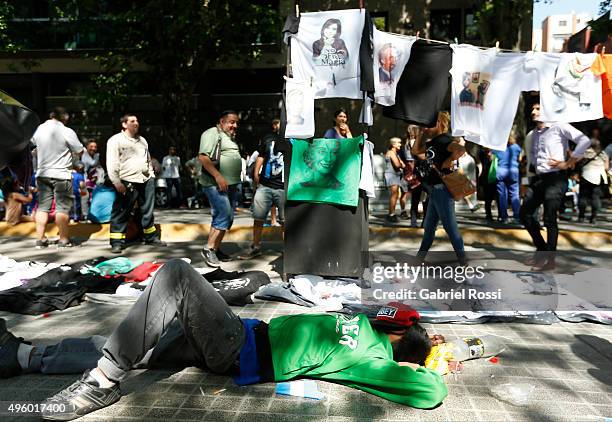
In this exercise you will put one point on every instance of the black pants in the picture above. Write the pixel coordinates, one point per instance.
(490, 195)
(213, 334)
(549, 190)
(176, 182)
(589, 193)
(144, 194)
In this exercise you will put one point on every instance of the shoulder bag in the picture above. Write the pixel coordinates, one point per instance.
(457, 183)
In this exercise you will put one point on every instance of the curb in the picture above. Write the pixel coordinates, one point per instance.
(188, 232)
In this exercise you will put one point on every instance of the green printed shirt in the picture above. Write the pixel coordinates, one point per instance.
(230, 164)
(347, 350)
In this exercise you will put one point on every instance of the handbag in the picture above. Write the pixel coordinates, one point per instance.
(457, 183)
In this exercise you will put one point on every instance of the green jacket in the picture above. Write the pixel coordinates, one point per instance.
(347, 350)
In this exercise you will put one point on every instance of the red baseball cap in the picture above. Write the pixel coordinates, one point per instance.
(398, 314)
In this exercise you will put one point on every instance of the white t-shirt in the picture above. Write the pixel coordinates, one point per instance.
(300, 110)
(391, 53)
(366, 183)
(325, 52)
(170, 167)
(486, 86)
(55, 144)
(569, 90)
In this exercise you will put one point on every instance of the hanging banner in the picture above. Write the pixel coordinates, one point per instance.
(325, 52)
(326, 171)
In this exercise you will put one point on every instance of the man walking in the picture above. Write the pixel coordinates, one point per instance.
(129, 168)
(55, 144)
(171, 165)
(548, 154)
(221, 168)
(268, 180)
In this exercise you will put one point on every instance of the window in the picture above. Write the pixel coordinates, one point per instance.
(445, 24)
(562, 23)
(472, 32)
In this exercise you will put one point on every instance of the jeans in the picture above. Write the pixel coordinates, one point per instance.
(215, 335)
(547, 189)
(508, 183)
(144, 194)
(441, 207)
(75, 355)
(222, 205)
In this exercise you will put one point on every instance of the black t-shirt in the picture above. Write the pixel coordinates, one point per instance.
(423, 86)
(437, 152)
(271, 149)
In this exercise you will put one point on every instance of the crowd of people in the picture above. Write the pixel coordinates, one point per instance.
(502, 177)
(70, 183)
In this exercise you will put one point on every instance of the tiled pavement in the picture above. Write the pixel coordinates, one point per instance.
(569, 364)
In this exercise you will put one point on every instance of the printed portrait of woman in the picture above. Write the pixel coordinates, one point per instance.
(295, 106)
(330, 49)
(320, 157)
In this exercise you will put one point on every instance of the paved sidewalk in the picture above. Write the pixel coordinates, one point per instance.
(569, 364)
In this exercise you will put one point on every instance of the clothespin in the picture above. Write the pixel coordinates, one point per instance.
(297, 10)
(418, 33)
(456, 42)
(497, 46)
(603, 50)
(361, 4)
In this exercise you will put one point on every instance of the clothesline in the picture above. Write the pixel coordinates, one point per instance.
(447, 43)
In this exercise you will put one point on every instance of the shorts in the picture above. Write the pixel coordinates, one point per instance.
(222, 205)
(265, 198)
(59, 189)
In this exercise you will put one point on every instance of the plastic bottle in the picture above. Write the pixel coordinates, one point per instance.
(476, 347)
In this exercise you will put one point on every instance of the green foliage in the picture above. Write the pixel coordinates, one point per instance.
(177, 40)
(501, 20)
(6, 43)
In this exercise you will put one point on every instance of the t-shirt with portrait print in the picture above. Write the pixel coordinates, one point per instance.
(486, 87)
(272, 149)
(325, 52)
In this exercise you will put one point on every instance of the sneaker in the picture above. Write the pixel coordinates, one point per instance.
(116, 248)
(210, 258)
(82, 397)
(44, 243)
(252, 253)
(392, 219)
(155, 242)
(404, 215)
(62, 244)
(9, 344)
(223, 257)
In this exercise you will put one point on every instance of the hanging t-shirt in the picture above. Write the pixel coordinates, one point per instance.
(569, 90)
(480, 80)
(391, 53)
(300, 109)
(326, 50)
(602, 66)
(271, 150)
(366, 183)
(422, 88)
(325, 170)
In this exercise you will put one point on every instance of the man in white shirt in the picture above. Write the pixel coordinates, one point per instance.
(549, 152)
(171, 164)
(55, 144)
(129, 168)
